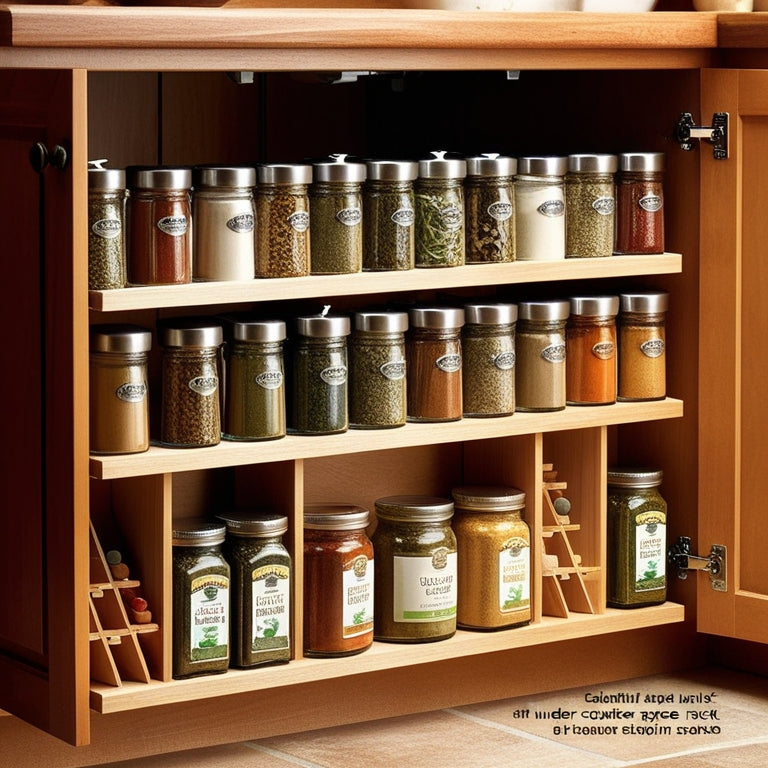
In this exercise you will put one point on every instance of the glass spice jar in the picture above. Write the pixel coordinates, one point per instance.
(415, 586)
(488, 359)
(255, 382)
(540, 355)
(118, 393)
(640, 203)
(637, 538)
(201, 618)
(282, 220)
(319, 395)
(336, 214)
(590, 350)
(494, 557)
(338, 580)
(223, 217)
(159, 226)
(590, 206)
(540, 208)
(388, 216)
(433, 355)
(490, 209)
(190, 408)
(106, 227)
(439, 200)
(642, 346)
(377, 380)
(261, 588)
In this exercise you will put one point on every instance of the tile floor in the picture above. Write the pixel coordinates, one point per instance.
(723, 722)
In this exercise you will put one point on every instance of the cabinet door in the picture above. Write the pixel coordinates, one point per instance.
(733, 365)
(43, 475)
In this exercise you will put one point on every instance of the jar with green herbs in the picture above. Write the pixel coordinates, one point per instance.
(336, 215)
(255, 381)
(494, 557)
(388, 215)
(439, 199)
(319, 393)
(416, 564)
(377, 380)
(201, 613)
(490, 209)
(282, 220)
(488, 353)
(106, 227)
(261, 588)
(637, 538)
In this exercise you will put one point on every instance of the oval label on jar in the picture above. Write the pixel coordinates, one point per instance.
(452, 217)
(107, 228)
(299, 220)
(650, 203)
(449, 363)
(505, 361)
(350, 217)
(334, 375)
(500, 211)
(269, 379)
(241, 224)
(131, 393)
(440, 558)
(605, 350)
(176, 226)
(394, 370)
(515, 546)
(652, 348)
(204, 385)
(605, 206)
(404, 217)
(554, 353)
(552, 208)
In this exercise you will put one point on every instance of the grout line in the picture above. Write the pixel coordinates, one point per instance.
(289, 758)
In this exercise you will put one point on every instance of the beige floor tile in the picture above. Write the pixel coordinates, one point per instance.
(224, 756)
(749, 756)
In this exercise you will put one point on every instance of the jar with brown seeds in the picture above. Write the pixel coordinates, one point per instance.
(106, 228)
(190, 408)
(282, 220)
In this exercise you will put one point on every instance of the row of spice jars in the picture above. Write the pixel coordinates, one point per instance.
(340, 217)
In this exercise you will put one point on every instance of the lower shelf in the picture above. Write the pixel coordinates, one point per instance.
(382, 656)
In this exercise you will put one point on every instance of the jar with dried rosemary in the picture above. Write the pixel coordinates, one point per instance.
(106, 227)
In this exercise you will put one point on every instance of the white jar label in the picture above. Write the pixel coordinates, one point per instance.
(605, 206)
(269, 379)
(552, 208)
(514, 575)
(209, 614)
(270, 614)
(424, 588)
(394, 370)
(241, 224)
(334, 375)
(404, 217)
(449, 363)
(131, 393)
(500, 210)
(650, 551)
(357, 597)
(605, 350)
(652, 347)
(452, 217)
(504, 361)
(176, 226)
(650, 203)
(350, 217)
(107, 228)
(204, 385)
(299, 221)
(554, 353)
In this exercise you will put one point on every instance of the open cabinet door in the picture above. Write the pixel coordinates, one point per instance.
(733, 375)
(43, 390)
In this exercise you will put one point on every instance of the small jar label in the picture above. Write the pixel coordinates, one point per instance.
(176, 226)
(449, 363)
(108, 229)
(241, 224)
(504, 361)
(605, 350)
(424, 588)
(209, 618)
(350, 217)
(452, 217)
(270, 615)
(204, 385)
(652, 347)
(514, 575)
(394, 370)
(650, 203)
(357, 597)
(554, 353)
(335, 375)
(403, 217)
(131, 393)
(500, 210)
(269, 379)
(650, 551)
(552, 208)
(605, 206)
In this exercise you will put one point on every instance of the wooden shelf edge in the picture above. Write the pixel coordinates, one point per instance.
(382, 656)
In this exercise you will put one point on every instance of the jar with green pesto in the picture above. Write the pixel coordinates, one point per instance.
(415, 583)
(637, 538)
(201, 618)
(261, 588)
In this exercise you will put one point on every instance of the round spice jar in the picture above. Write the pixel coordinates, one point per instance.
(488, 352)
(540, 208)
(439, 199)
(282, 220)
(642, 346)
(490, 209)
(255, 381)
(338, 580)
(118, 393)
(377, 380)
(201, 617)
(433, 355)
(590, 206)
(640, 203)
(223, 216)
(106, 227)
(494, 557)
(590, 350)
(415, 587)
(388, 216)
(319, 393)
(336, 215)
(159, 226)
(261, 588)
(540, 355)
(190, 408)
(637, 538)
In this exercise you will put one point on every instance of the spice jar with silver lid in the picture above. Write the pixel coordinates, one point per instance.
(439, 199)
(190, 408)
(261, 574)
(540, 355)
(223, 216)
(106, 227)
(388, 215)
(490, 209)
(494, 557)
(637, 538)
(338, 580)
(640, 203)
(377, 377)
(282, 220)
(118, 392)
(201, 612)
